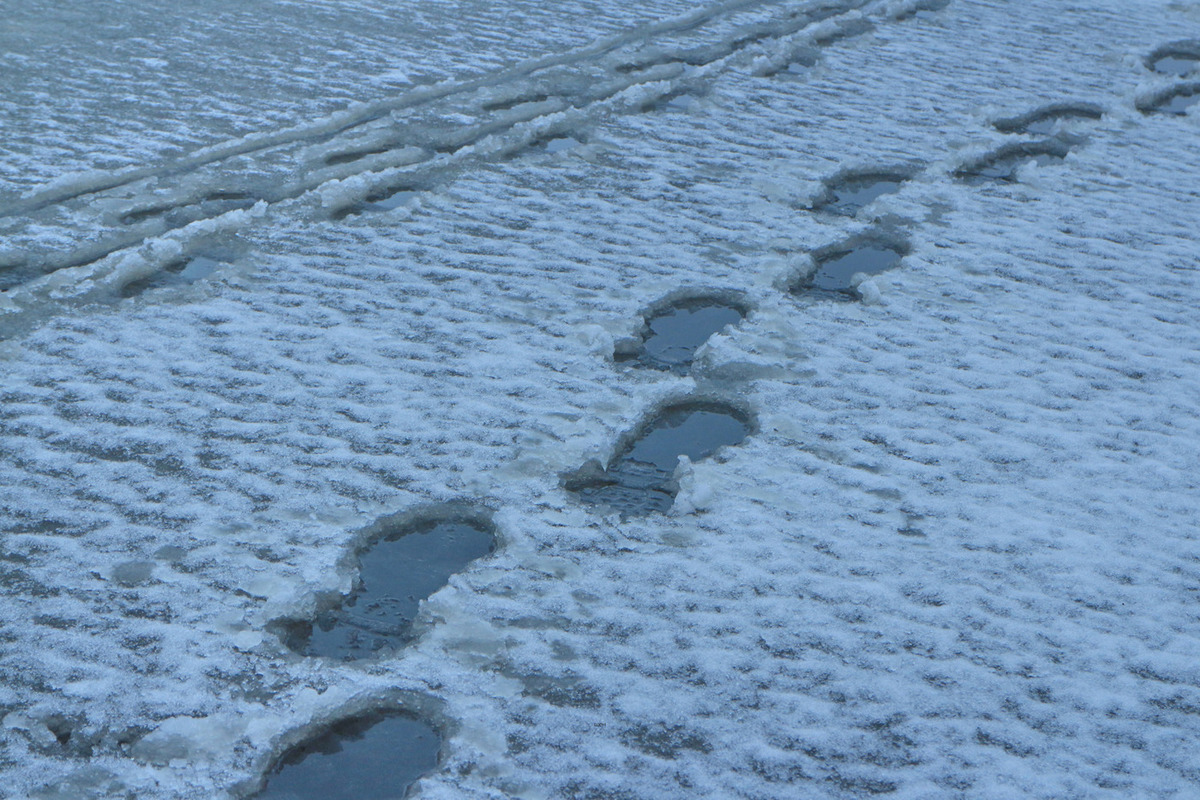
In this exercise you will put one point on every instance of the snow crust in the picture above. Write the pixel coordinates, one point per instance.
(958, 557)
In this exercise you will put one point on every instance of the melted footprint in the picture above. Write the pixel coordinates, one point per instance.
(837, 266)
(366, 758)
(672, 334)
(1048, 119)
(1174, 102)
(850, 193)
(1178, 59)
(1003, 163)
(402, 568)
(640, 479)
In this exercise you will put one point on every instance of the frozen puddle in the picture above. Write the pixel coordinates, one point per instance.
(404, 566)
(837, 266)
(1002, 164)
(367, 758)
(672, 334)
(1179, 59)
(179, 273)
(1175, 102)
(640, 479)
(1045, 121)
(849, 194)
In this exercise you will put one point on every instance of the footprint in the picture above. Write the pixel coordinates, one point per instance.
(376, 756)
(178, 273)
(402, 567)
(1175, 101)
(1002, 163)
(1178, 59)
(836, 266)
(848, 194)
(672, 334)
(1044, 121)
(639, 479)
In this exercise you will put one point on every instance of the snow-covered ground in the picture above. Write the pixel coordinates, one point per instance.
(958, 556)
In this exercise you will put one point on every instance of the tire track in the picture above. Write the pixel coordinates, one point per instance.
(355, 157)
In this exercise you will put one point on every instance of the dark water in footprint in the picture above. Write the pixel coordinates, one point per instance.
(1178, 65)
(835, 270)
(847, 197)
(638, 481)
(1179, 104)
(396, 574)
(1003, 164)
(373, 758)
(675, 333)
(1046, 121)
(180, 273)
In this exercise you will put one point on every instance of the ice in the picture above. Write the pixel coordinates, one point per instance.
(1176, 59)
(956, 557)
(1049, 119)
(1004, 163)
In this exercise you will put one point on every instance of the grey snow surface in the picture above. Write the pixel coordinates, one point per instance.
(957, 557)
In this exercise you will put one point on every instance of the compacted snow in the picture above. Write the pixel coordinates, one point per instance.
(285, 280)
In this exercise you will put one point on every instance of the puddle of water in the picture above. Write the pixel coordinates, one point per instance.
(1003, 164)
(835, 271)
(198, 268)
(1178, 65)
(638, 481)
(397, 573)
(695, 432)
(848, 196)
(1045, 121)
(1179, 104)
(371, 758)
(677, 332)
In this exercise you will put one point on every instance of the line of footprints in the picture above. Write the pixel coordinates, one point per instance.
(403, 562)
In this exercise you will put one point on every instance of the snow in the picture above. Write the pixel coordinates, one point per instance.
(956, 557)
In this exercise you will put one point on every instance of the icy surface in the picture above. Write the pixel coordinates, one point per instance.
(958, 556)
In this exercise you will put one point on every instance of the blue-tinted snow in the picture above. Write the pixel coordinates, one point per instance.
(958, 558)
